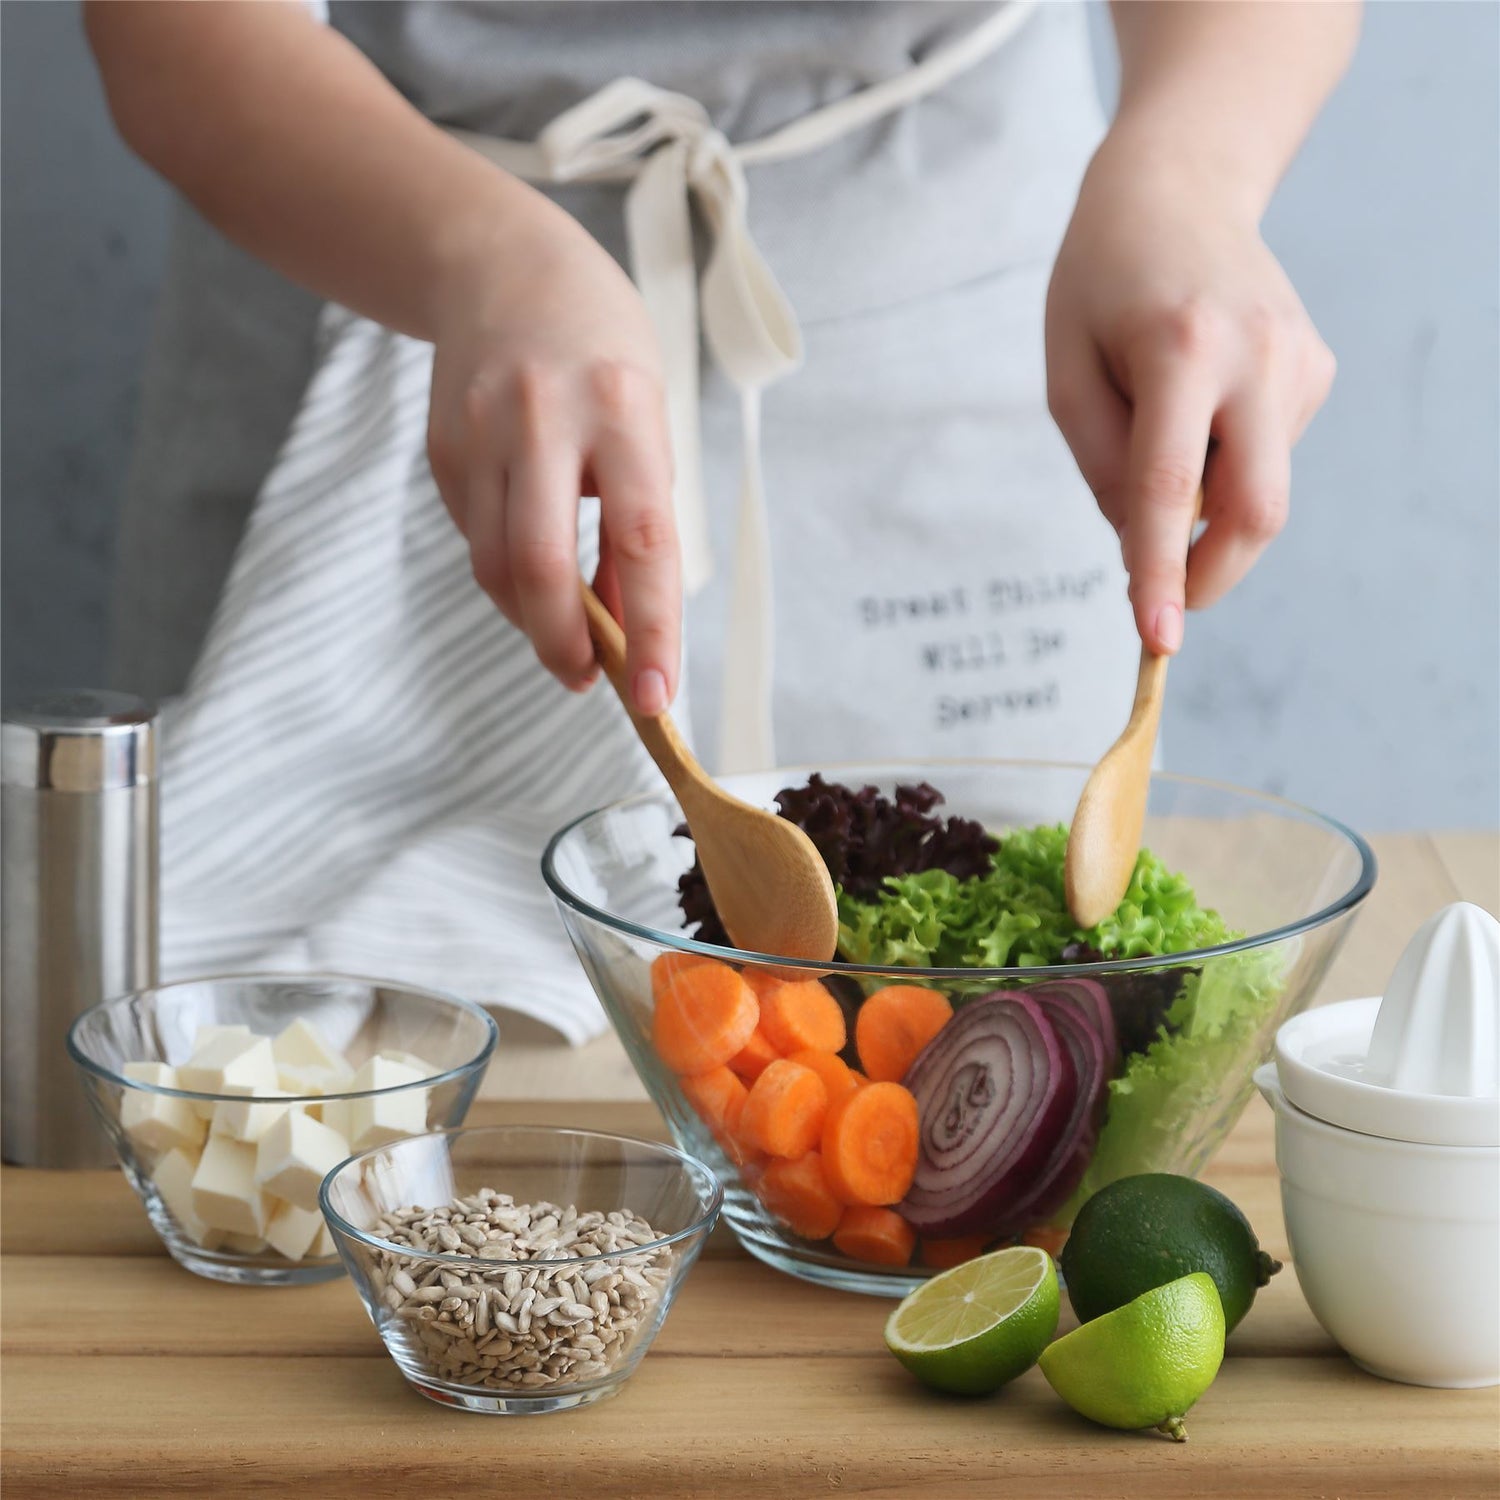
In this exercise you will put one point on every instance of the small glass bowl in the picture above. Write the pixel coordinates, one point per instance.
(463, 1324)
(358, 1018)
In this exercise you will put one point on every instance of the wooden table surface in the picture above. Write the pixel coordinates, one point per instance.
(123, 1375)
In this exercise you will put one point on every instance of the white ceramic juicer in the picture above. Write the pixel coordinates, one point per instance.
(1388, 1143)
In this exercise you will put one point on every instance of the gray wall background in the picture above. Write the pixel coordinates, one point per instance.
(1357, 670)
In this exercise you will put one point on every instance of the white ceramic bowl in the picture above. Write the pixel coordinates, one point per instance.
(1396, 1245)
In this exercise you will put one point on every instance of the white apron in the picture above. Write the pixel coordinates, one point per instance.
(368, 759)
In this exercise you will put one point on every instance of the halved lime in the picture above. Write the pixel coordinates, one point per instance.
(1143, 1364)
(971, 1329)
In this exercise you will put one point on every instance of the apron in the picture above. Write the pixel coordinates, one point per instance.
(368, 759)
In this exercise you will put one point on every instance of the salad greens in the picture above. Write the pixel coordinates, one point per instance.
(1016, 914)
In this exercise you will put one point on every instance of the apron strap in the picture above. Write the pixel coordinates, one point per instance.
(667, 147)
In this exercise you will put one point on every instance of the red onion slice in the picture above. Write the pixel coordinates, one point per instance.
(994, 1089)
(1091, 1000)
(1092, 1063)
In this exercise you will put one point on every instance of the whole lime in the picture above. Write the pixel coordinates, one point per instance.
(1142, 1232)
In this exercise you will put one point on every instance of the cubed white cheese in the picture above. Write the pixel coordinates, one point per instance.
(158, 1122)
(408, 1059)
(310, 1082)
(231, 1063)
(301, 1045)
(173, 1179)
(388, 1117)
(292, 1231)
(205, 1034)
(324, 1244)
(225, 1193)
(202, 1037)
(295, 1155)
(243, 1120)
(245, 1244)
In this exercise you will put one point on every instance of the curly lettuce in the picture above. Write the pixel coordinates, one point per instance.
(1016, 915)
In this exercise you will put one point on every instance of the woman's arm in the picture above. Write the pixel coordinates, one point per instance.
(546, 374)
(1169, 323)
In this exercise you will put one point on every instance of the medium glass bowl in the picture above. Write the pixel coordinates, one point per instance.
(1287, 877)
(359, 1018)
(520, 1308)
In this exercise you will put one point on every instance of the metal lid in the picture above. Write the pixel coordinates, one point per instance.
(79, 741)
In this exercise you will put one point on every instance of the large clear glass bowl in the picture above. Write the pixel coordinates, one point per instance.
(443, 1039)
(1287, 877)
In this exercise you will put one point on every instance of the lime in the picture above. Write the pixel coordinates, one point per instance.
(1142, 1232)
(971, 1329)
(1144, 1364)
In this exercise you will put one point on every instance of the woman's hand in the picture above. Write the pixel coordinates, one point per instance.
(546, 386)
(1170, 325)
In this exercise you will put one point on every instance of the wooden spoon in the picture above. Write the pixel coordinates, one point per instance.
(1106, 833)
(769, 883)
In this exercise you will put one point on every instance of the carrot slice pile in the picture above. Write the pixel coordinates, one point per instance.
(870, 1144)
(878, 1235)
(894, 1025)
(943, 1255)
(785, 1110)
(802, 1017)
(796, 1191)
(1046, 1238)
(838, 1077)
(754, 1057)
(705, 1014)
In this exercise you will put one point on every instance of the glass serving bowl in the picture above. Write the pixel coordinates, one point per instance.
(544, 1275)
(1188, 1030)
(161, 1133)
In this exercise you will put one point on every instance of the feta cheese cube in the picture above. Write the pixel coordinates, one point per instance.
(388, 1117)
(225, 1193)
(301, 1045)
(229, 1063)
(201, 1039)
(245, 1244)
(247, 1121)
(323, 1245)
(173, 1180)
(423, 1068)
(293, 1231)
(158, 1122)
(205, 1034)
(309, 1082)
(295, 1155)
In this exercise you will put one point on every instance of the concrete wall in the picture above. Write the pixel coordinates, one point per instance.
(1358, 670)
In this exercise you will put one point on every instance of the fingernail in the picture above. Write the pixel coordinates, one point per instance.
(1169, 627)
(650, 692)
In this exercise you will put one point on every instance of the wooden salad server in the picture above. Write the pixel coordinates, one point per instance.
(769, 883)
(1105, 836)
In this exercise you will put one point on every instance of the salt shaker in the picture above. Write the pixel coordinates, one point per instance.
(79, 903)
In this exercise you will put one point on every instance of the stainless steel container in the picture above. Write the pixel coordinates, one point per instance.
(79, 904)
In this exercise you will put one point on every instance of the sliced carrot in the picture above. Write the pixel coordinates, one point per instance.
(754, 1057)
(796, 1191)
(893, 1026)
(665, 968)
(870, 1144)
(838, 1077)
(802, 1016)
(705, 1013)
(717, 1097)
(943, 1255)
(1044, 1237)
(785, 1110)
(762, 981)
(878, 1235)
